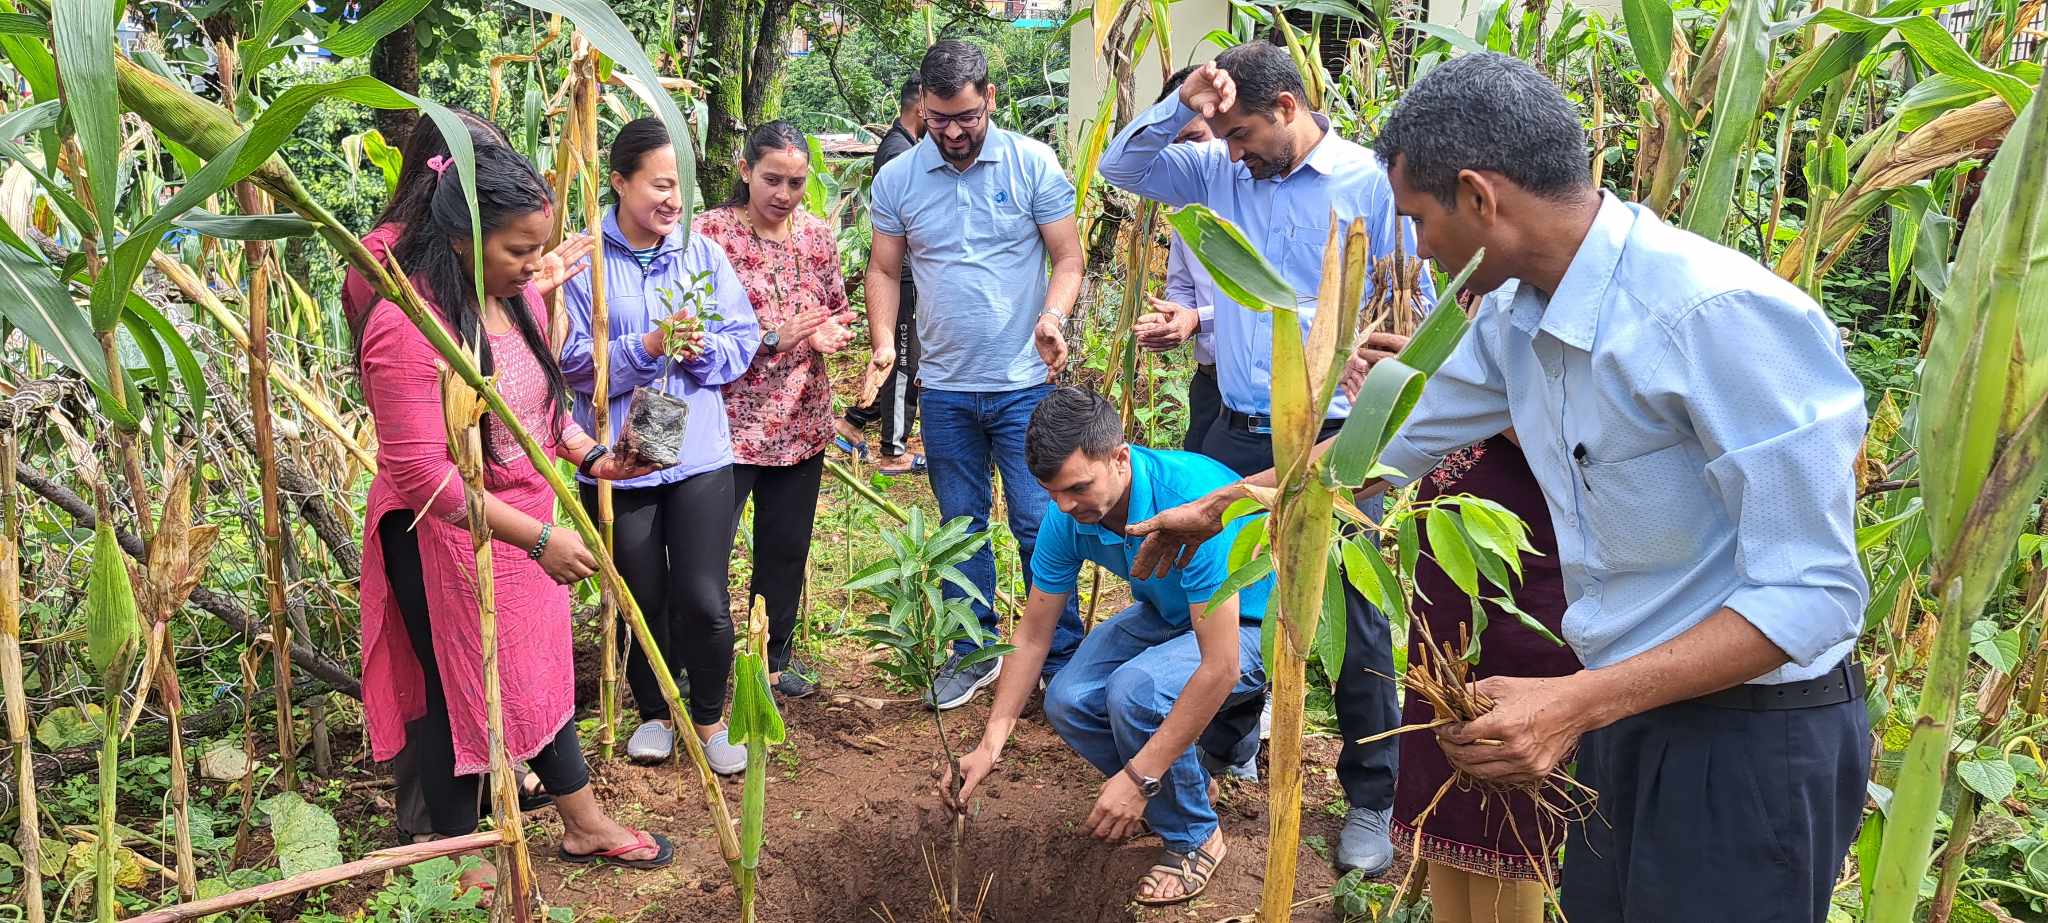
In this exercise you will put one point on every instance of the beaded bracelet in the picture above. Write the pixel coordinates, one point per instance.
(540, 547)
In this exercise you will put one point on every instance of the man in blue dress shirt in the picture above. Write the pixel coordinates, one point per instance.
(1145, 682)
(1279, 173)
(980, 212)
(1693, 423)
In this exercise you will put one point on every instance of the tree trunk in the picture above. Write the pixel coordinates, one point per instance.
(396, 61)
(724, 39)
(762, 97)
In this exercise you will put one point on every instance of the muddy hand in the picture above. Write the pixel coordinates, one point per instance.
(1172, 537)
(974, 767)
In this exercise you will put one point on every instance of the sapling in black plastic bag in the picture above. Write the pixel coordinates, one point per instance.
(656, 420)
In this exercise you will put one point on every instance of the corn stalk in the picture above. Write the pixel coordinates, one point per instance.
(1983, 442)
(757, 726)
(257, 254)
(111, 628)
(463, 413)
(583, 137)
(29, 830)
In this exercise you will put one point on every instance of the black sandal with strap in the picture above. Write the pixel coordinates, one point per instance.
(1193, 869)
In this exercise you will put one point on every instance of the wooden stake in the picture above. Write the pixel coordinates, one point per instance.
(374, 863)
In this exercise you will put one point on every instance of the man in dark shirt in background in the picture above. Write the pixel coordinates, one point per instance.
(895, 405)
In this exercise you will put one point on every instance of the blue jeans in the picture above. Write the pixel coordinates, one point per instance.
(963, 432)
(1117, 690)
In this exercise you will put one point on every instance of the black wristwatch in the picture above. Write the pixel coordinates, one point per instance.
(590, 458)
(1147, 785)
(771, 341)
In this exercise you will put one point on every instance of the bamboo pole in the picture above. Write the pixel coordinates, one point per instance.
(465, 441)
(600, 404)
(254, 202)
(29, 832)
(381, 861)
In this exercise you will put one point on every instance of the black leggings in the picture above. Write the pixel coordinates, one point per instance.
(451, 800)
(673, 543)
(785, 508)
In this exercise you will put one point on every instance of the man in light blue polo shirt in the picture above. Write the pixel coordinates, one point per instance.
(1278, 172)
(1145, 682)
(979, 211)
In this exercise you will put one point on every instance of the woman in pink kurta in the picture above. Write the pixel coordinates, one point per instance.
(780, 411)
(410, 199)
(422, 649)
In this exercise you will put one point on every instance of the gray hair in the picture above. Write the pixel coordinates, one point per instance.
(1487, 112)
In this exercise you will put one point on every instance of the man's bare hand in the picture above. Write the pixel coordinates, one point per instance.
(1119, 812)
(1533, 726)
(1166, 326)
(1172, 537)
(1051, 340)
(974, 767)
(1209, 90)
(1370, 351)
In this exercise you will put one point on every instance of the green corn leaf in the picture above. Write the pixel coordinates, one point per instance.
(112, 621)
(1439, 333)
(1335, 623)
(754, 720)
(1450, 35)
(82, 33)
(1905, 233)
(1253, 571)
(165, 333)
(359, 37)
(1744, 61)
(1240, 270)
(30, 59)
(31, 119)
(34, 301)
(1448, 546)
(22, 24)
(1936, 46)
(1936, 95)
(1390, 391)
(246, 227)
(1650, 36)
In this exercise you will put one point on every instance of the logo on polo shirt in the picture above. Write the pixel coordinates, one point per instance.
(1002, 197)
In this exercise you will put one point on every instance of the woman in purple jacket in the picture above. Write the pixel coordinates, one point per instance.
(673, 528)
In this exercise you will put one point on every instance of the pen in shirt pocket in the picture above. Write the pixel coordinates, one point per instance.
(1579, 457)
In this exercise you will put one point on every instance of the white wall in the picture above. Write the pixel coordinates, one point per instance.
(1192, 19)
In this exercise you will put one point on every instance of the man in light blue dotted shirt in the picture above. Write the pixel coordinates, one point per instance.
(1693, 424)
(980, 212)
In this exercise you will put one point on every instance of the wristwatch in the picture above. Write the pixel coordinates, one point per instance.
(1147, 785)
(771, 341)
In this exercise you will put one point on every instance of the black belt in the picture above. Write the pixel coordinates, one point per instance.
(1248, 422)
(1844, 683)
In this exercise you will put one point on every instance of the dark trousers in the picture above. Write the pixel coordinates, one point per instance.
(1366, 700)
(1205, 403)
(673, 543)
(451, 800)
(1708, 813)
(785, 508)
(896, 403)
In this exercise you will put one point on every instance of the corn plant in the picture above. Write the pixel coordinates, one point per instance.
(1983, 441)
(111, 629)
(921, 625)
(1304, 502)
(756, 725)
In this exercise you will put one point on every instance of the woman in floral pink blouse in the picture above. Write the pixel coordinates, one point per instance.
(781, 410)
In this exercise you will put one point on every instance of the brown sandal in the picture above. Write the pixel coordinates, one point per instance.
(1193, 868)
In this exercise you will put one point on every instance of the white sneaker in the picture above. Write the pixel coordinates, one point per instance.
(725, 758)
(651, 742)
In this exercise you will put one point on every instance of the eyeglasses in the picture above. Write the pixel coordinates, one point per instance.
(968, 120)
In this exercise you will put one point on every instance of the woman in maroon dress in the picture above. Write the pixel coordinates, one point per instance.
(1488, 853)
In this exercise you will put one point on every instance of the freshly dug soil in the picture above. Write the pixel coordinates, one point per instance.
(852, 811)
(655, 423)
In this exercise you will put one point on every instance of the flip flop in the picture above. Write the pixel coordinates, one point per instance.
(846, 445)
(612, 856)
(533, 799)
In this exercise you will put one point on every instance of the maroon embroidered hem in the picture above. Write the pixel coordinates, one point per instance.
(1476, 860)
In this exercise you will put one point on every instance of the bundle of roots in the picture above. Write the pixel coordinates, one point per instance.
(1441, 676)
